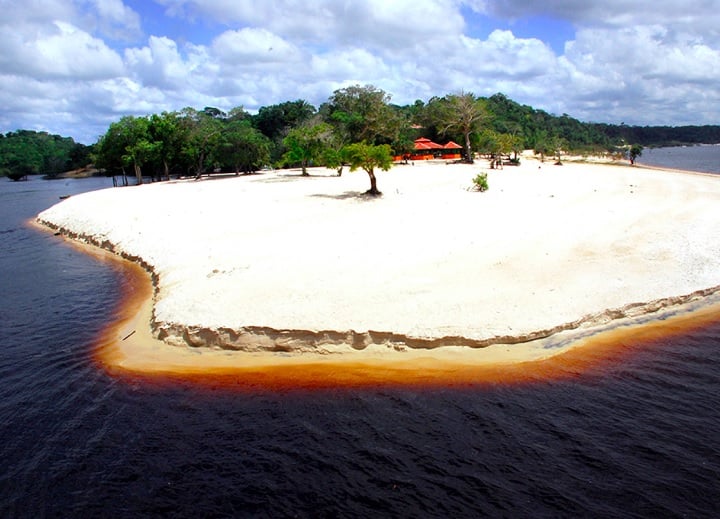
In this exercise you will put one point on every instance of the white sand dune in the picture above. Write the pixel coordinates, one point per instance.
(280, 263)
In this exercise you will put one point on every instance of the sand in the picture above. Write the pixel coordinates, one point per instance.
(282, 269)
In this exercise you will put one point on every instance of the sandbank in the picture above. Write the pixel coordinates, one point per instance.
(281, 270)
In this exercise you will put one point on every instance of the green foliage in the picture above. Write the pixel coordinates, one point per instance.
(26, 152)
(480, 182)
(660, 135)
(635, 151)
(458, 115)
(275, 121)
(242, 147)
(203, 135)
(195, 141)
(362, 114)
(361, 155)
(306, 144)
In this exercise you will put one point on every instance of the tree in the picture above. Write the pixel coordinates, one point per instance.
(462, 113)
(27, 152)
(242, 147)
(139, 148)
(275, 121)
(167, 133)
(542, 144)
(126, 143)
(362, 114)
(368, 157)
(333, 158)
(203, 136)
(557, 144)
(635, 151)
(306, 143)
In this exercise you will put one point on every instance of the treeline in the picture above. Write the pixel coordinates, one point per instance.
(26, 152)
(296, 133)
(658, 136)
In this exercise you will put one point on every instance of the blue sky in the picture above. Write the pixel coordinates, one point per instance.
(74, 66)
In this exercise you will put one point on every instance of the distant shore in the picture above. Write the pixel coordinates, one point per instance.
(277, 269)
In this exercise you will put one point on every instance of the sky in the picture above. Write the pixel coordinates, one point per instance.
(72, 67)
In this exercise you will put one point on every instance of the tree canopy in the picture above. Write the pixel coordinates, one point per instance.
(368, 157)
(295, 133)
(26, 152)
(462, 114)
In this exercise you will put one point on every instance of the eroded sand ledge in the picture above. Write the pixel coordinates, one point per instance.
(282, 264)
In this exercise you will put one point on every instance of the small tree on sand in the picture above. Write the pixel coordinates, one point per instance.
(369, 157)
(305, 144)
(635, 151)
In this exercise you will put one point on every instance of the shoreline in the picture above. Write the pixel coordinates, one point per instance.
(143, 352)
(127, 347)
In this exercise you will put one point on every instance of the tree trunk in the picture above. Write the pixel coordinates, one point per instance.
(166, 168)
(138, 173)
(468, 151)
(304, 168)
(373, 184)
(200, 166)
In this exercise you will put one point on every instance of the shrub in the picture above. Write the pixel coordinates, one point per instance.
(480, 182)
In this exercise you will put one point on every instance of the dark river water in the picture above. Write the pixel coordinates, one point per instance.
(637, 435)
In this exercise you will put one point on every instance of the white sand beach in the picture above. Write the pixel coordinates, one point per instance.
(283, 268)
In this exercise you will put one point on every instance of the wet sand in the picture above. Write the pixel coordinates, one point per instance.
(283, 271)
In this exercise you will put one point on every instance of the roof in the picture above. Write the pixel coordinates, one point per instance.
(424, 143)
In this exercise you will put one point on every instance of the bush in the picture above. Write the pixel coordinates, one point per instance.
(480, 182)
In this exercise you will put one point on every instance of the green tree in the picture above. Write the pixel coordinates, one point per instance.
(168, 134)
(275, 121)
(242, 147)
(306, 143)
(202, 137)
(26, 152)
(462, 113)
(333, 158)
(126, 143)
(635, 151)
(542, 144)
(139, 147)
(369, 157)
(362, 114)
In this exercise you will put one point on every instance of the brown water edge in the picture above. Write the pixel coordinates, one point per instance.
(126, 349)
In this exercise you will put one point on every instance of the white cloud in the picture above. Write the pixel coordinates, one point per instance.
(84, 63)
(57, 51)
(115, 19)
(250, 46)
(159, 64)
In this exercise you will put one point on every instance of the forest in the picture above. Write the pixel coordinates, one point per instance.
(26, 152)
(193, 142)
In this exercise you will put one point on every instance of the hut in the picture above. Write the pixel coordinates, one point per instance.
(425, 149)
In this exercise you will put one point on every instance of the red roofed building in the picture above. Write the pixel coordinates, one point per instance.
(425, 149)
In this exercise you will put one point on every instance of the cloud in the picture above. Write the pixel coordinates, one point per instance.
(115, 19)
(60, 50)
(159, 64)
(250, 46)
(88, 62)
